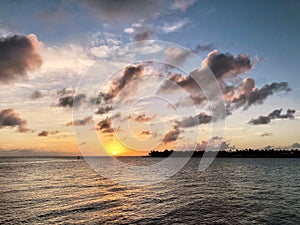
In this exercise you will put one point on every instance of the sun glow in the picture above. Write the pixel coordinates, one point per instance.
(115, 148)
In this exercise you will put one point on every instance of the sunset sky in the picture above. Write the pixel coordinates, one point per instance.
(59, 57)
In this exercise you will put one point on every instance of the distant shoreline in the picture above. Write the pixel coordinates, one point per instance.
(246, 153)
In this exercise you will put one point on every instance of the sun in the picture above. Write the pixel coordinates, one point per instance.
(115, 148)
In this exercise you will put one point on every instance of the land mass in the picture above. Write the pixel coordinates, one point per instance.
(245, 153)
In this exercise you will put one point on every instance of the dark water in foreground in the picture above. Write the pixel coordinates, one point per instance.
(231, 191)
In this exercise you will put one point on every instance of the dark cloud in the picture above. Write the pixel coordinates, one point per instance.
(276, 114)
(172, 135)
(129, 73)
(143, 34)
(45, 133)
(9, 118)
(260, 120)
(103, 98)
(226, 65)
(145, 133)
(36, 95)
(203, 48)
(226, 68)
(259, 95)
(142, 118)
(192, 121)
(248, 95)
(266, 134)
(105, 126)
(81, 122)
(103, 110)
(124, 10)
(177, 80)
(71, 100)
(19, 55)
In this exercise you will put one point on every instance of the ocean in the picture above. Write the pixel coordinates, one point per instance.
(231, 191)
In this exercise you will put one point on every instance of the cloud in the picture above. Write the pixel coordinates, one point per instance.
(192, 121)
(143, 34)
(172, 135)
(19, 55)
(36, 95)
(103, 110)
(260, 120)
(223, 66)
(168, 28)
(266, 134)
(81, 122)
(276, 114)
(129, 30)
(226, 65)
(105, 126)
(9, 118)
(70, 60)
(145, 133)
(125, 10)
(202, 48)
(250, 95)
(177, 80)
(227, 70)
(71, 100)
(182, 5)
(129, 73)
(142, 118)
(176, 56)
(45, 133)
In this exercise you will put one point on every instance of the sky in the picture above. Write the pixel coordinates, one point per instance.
(127, 77)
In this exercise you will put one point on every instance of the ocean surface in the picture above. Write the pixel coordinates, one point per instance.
(230, 191)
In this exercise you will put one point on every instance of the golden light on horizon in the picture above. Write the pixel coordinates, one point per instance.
(115, 148)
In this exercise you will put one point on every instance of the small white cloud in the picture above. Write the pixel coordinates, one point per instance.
(129, 30)
(168, 28)
(136, 25)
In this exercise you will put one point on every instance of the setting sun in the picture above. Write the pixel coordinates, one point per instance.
(115, 148)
